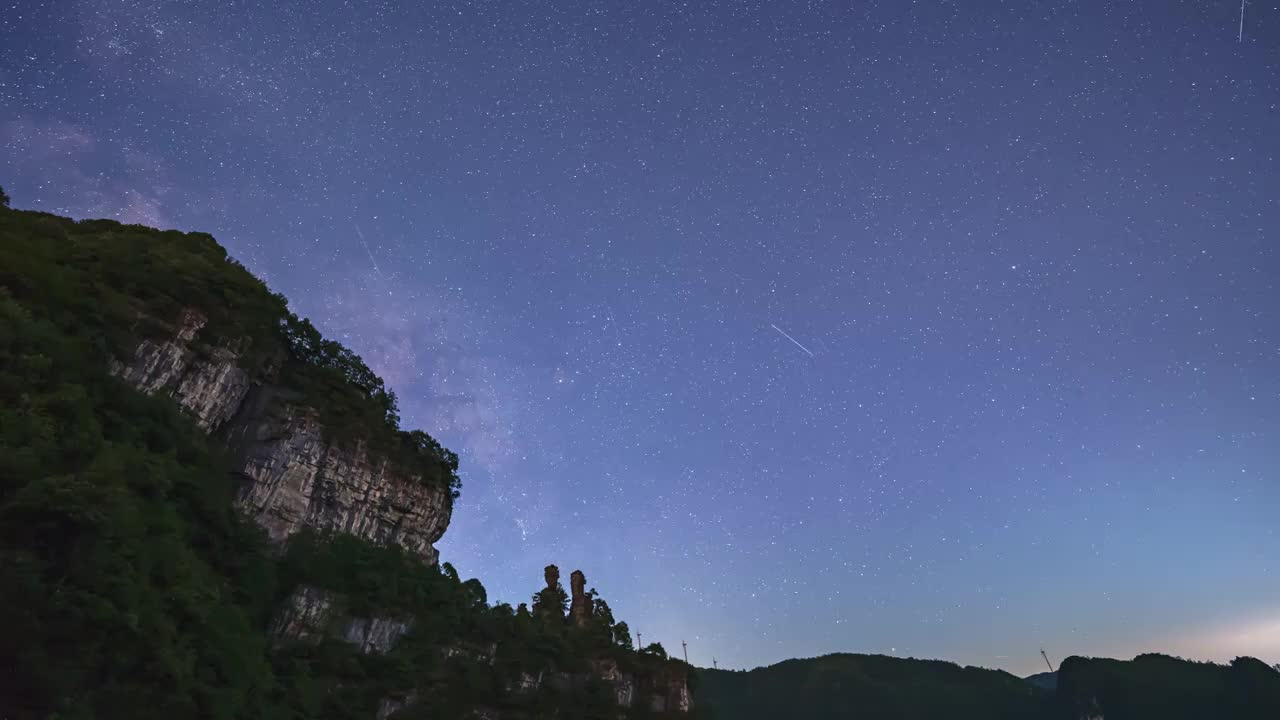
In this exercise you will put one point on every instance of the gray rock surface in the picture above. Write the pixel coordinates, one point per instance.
(210, 387)
(311, 614)
(295, 476)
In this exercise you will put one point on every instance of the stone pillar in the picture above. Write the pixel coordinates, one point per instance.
(551, 598)
(580, 606)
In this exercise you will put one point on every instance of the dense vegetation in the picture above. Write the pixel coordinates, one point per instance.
(868, 687)
(1159, 687)
(107, 284)
(128, 586)
(875, 687)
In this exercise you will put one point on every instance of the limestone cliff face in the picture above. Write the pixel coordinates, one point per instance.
(624, 685)
(294, 476)
(210, 388)
(305, 616)
(672, 695)
(312, 614)
(665, 692)
(391, 705)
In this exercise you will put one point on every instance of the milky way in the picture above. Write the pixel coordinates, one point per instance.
(1029, 249)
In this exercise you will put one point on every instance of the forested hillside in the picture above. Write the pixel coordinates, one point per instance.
(876, 687)
(1159, 687)
(869, 687)
(132, 586)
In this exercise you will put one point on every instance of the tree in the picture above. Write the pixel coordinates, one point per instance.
(655, 649)
(600, 609)
(551, 600)
(622, 635)
(4, 199)
(475, 593)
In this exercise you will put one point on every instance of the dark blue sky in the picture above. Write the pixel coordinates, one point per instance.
(1025, 254)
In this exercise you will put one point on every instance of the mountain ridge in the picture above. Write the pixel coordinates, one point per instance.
(870, 687)
(207, 509)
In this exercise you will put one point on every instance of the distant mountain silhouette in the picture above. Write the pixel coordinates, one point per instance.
(876, 687)
(1046, 680)
(868, 687)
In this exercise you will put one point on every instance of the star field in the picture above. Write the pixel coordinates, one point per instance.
(926, 328)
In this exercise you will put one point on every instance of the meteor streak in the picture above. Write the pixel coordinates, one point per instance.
(797, 342)
(370, 252)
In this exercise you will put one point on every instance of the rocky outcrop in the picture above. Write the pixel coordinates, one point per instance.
(310, 615)
(666, 691)
(207, 382)
(485, 653)
(295, 476)
(305, 616)
(663, 692)
(391, 705)
(580, 606)
(1092, 711)
(624, 686)
(552, 596)
(525, 683)
(673, 697)
(375, 635)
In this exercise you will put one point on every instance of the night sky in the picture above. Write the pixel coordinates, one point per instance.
(943, 329)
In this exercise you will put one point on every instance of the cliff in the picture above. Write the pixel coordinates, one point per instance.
(294, 475)
(209, 510)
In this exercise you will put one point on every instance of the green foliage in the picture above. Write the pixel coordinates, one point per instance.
(622, 635)
(655, 649)
(551, 601)
(445, 612)
(130, 588)
(128, 585)
(111, 284)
